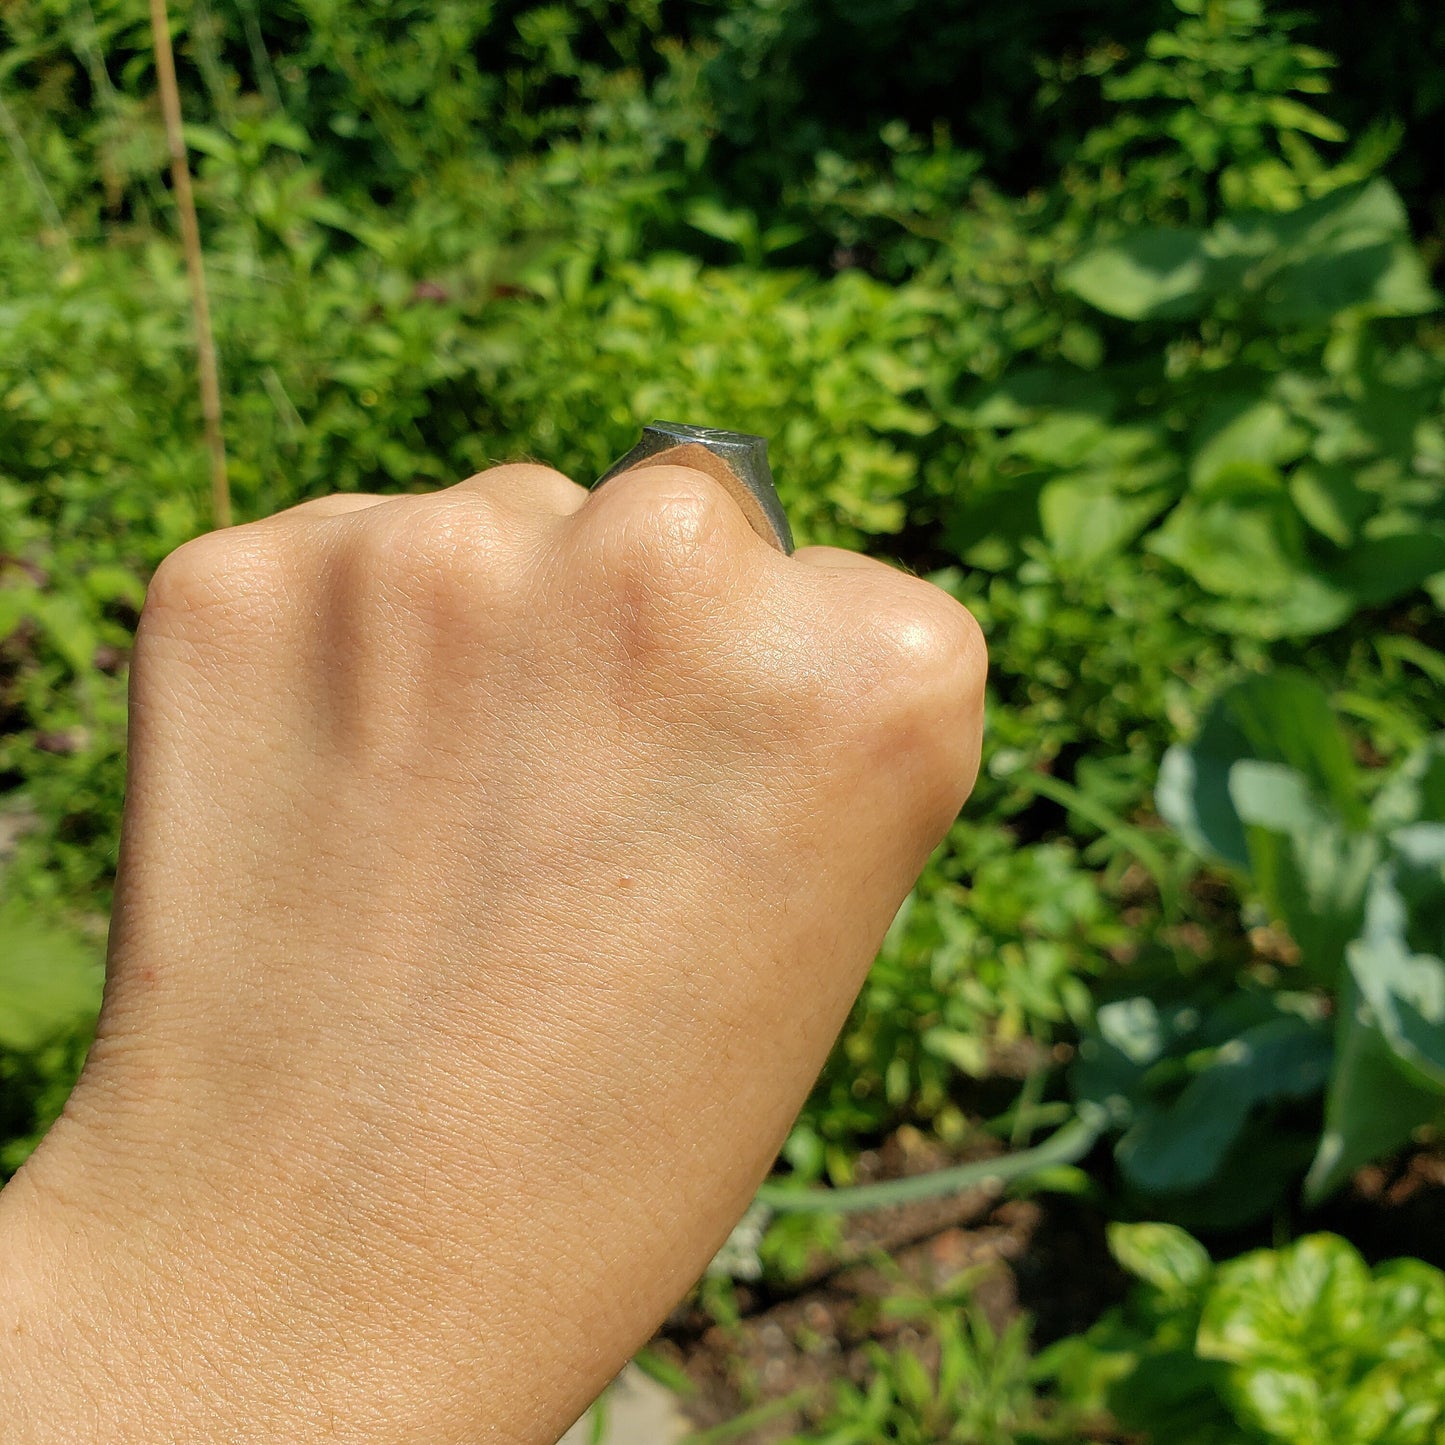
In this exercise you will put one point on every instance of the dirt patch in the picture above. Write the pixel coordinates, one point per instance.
(1393, 1209)
(1044, 1256)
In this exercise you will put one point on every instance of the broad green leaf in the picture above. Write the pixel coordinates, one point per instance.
(1267, 1308)
(1371, 1107)
(68, 626)
(1331, 500)
(1377, 570)
(1320, 1351)
(1285, 717)
(1349, 249)
(1280, 717)
(1192, 793)
(1405, 987)
(50, 978)
(1274, 796)
(1386, 278)
(1033, 392)
(1182, 1144)
(1163, 1255)
(1310, 871)
(1061, 439)
(111, 582)
(1415, 792)
(1286, 1405)
(1087, 518)
(1241, 545)
(1310, 607)
(1410, 1294)
(1147, 275)
(1144, 1062)
(1245, 432)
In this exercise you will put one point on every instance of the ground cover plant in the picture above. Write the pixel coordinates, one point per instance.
(1136, 349)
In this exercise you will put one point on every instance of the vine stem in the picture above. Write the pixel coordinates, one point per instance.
(207, 371)
(1065, 1146)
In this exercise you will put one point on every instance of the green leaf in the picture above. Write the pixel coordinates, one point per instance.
(1264, 1307)
(1290, 114)
(1319, 1351)
(1182, 1144)
(1380, 569)
(1280, 717)
(1310, 871)
(1287, 1405)
(1192, 793)
(1415, 792)
(1086, 518)
(969, 1053)
(1331, 500)
(1147, 275)
(1245, 433)
(1405, 988)
(50, 978)
(1243, 544)
(1371, 1107)
(1162, 1255)
(1349, 249)
(1285, 717)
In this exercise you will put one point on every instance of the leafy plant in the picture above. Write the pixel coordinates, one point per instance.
(1202, 1097)
(983, 1389)
(1304, 1345)
(49, 993)
(1269, 788)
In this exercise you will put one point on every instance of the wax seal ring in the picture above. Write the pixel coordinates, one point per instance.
(733, 458)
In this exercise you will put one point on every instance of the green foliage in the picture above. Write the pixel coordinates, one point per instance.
(1304, 1345)
(1269, 787)
(49, 991)
(988, 954)
(1265, 441)
(982, 1390)
(1221, 109)
(1202, 1094)
(1128, 342)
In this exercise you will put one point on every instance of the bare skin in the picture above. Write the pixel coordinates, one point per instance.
(498, 867)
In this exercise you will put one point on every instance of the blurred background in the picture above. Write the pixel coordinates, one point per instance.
(1117, 319)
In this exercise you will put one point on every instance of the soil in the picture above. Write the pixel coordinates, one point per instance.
(1393, 1209)
(1043, 1256)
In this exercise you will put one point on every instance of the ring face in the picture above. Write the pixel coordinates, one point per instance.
(738, 460)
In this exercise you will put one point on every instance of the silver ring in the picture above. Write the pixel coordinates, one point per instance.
(735, 459)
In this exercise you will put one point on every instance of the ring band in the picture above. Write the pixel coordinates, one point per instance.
(737, 460)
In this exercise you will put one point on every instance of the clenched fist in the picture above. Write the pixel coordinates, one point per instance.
(498, 867)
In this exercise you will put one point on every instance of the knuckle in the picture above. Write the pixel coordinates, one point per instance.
(420, 540)
(662, 525)
(526, 485)
(662, 564)
(439, 557)
(937, 719)
(215, 578)
(932, 647)
(923, 672)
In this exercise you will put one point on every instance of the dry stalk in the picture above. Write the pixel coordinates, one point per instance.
(207, 372)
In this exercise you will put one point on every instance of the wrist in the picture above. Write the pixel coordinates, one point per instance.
(52, 1380)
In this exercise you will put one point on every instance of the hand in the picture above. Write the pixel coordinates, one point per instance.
(498, 867)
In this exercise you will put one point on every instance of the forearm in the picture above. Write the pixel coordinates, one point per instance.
(497, 870)
(410, 1258)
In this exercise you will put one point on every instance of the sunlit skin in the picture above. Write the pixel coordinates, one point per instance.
(497, 868)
